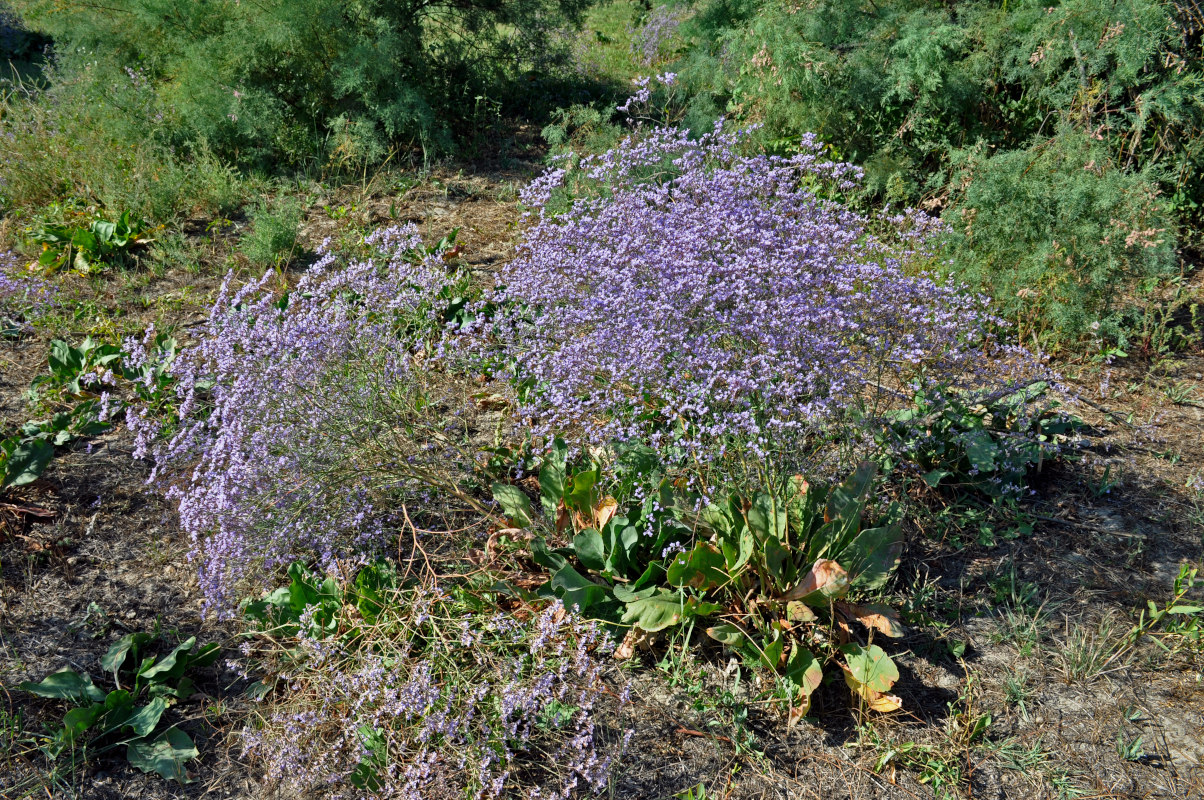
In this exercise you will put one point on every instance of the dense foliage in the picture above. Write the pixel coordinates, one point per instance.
(1074, 124)
(790, 325)
(289, 81)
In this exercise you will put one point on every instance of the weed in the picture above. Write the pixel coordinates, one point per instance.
(1023, 627)
(1088, 652)
(88, 250)
(1130, 749)
(1018, 693)
(101, 721)
(273, 237)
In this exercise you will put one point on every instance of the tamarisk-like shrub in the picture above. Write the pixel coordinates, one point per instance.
(427, 701)
(303, 421)
(717, 305)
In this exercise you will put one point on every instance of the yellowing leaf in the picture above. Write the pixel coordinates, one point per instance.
(825, 581)
(876, 617)
(603, 512)
(870, 673)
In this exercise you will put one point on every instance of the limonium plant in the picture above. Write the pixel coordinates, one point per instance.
(281, 399)
(724, 307)
(22, 296)
(428, 701)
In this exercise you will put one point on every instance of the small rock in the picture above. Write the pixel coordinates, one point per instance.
(131, 614)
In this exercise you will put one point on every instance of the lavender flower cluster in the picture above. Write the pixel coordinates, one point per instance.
(702, 300)
(278, 398)
(650, 42)
(432, 703)
(22, 297)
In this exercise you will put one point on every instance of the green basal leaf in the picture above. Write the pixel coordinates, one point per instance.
(66, 685)
(590, 549)
(771, 653)
(165, 755)
(664, 609)
(873, 556)
(77, 721)
(549, 559)
(574, 589)
(804, 670)
(582, 496)
(767, 519)
(114, 659)
(146, 718)
(171, 666)
(25, 463)
(515, 504)
(981, 451)
(551, 478)
(727, 634)
(701, 568)
(870, 666)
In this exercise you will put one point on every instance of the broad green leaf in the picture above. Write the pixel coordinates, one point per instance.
(981, 451)
(590, 549)
(170, 666)
(581, 495)
(871, 666)
(718, 518)
(657, 612)
(727, 634)
(577, 590)
(166, 755)
(848, 499)
(78, 720)
(551, 478)
(66, 685)
(26, 462)
(146, 718)
(870, 673)
(805, 673)
(771, 653)
(515, 504)
(113, 660)
(549, 559)
(700, 568)
(872, 556)
(766, 519)
(780, 564)
(933, 477)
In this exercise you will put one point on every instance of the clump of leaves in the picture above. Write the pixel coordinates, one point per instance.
(130, 715)
(25, 454)
(986, 447)
(89, 249)
(1178, 625)
(774, 569)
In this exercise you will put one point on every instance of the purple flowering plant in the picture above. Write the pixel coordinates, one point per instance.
(654, 40)
(23, 297)
(303, 423)
(729, 311)
(411, 690)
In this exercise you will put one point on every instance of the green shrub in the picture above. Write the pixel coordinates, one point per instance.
(273, 235)
(1058, 233)
(344, 81)
(1060, 139)
(90, 133)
